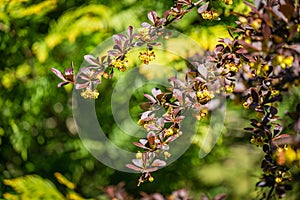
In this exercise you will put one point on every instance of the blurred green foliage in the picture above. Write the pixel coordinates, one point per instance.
(37, 131)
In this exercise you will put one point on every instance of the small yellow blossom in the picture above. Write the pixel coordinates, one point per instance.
(204, 96)
(169, 132)
(139, 155)
(283, 61)
(290, 155)
(248, 40)
(266, 67)
(288, 60)
(146, 57)
(167, 154)
(210, 15)
(229, 88)
(278, 180)
(246, 105)
(120, 64)
(275, 92)
(256, 24)
(258, 141)
(232, 67)
(88, 93)
(151, 179)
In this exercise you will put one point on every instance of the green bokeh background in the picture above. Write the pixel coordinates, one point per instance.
(37, 131)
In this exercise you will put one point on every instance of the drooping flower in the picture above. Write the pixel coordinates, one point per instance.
(89, 93)
(146, 165)
(120, 64)
(147, 56)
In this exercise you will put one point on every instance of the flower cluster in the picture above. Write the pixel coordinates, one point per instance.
(268, 65)
(116, 57)
(89, 77)
(165, 111)
(147, 57)
(257, 65)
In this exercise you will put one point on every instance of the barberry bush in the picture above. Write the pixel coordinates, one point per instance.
(256, 67)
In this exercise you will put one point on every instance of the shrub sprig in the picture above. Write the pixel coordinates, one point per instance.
(258, 64)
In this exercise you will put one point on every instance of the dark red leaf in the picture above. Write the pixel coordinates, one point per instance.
(266, 31)
(287, 10)
(254, 95)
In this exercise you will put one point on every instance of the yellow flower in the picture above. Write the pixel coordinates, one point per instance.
(256, 24)
(169, 132)
(258, 141)
(278, 180)
(204, 96)
(275, 92)
(283, 61)
(288, 60)
(146, 57)
(209, 15)
(232, 67)
(139, 155)
(151, 179)
(289, 155)
(167, 154)
(88, 93)
(229, 88)
(120, 64)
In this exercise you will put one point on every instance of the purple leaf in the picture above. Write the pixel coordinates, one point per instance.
(147, 115)
(158, 163)
(143, 141)
(152, 99)
(146, 25)
(112, 52)
(130, 166)
(152, 16)
(171, 138)
(59, 74)
(141, 145)
(152, 169)
(79, 86)
(130, 31)
(177, 94)
(156, 91)
(202, 70)
(138, 162)
(117, 40)
(152, 127)
(91, 59)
